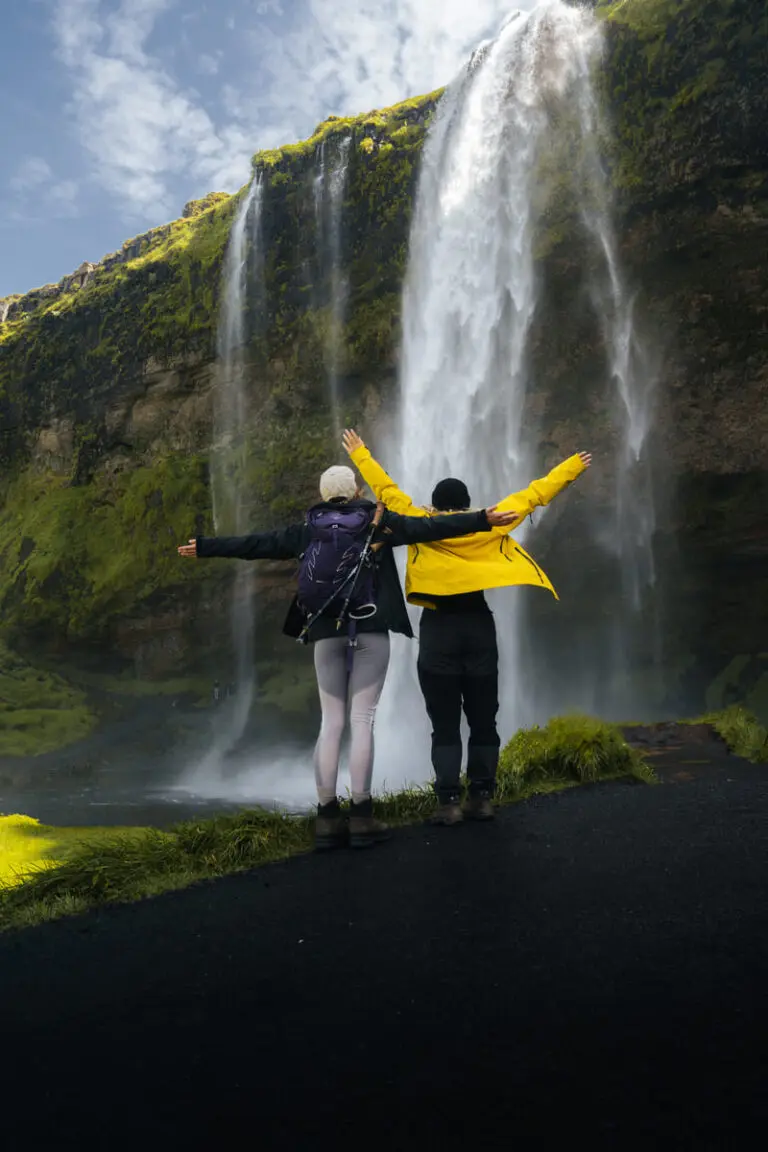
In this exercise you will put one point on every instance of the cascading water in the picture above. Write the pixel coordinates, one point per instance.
(226, 774)
(228, 458)
(469, 302)
(630, 537)
(329, 188)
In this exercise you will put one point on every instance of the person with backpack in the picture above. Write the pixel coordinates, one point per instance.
(348, 601)
(458, 653)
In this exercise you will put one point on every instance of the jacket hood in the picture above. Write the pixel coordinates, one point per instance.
(337, 504)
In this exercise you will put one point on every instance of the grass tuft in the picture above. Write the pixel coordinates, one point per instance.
(570, 749)
(742, 732)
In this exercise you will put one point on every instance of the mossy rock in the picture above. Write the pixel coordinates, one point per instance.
(684, 83)
(195, 207)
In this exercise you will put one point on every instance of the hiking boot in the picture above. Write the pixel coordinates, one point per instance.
(448, 813)
(331, 828)
(478, 806)
(364, 829)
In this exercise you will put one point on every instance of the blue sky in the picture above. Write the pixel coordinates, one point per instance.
(116, 112)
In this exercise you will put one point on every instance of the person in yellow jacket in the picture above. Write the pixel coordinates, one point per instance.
(458, 653)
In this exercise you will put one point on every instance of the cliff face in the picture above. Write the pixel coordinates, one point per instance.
(107, 383)
(681, 87)
(107, 380)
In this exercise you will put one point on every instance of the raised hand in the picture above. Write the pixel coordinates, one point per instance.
(188, 549)
(351, 440)
(586, 458)
(500, 519)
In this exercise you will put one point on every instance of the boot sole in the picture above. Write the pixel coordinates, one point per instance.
(480, 819)
(454, 823)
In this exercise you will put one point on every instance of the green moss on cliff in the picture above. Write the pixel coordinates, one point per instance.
(39, 711)
(72, 557)
(389, 122)
(685, 84)
(79, 551)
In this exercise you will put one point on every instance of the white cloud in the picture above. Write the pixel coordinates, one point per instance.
(142, 130)
(35, 195)
(208, 64)
(62, 197)
(30, 174)
(149, 135)
(349, 56)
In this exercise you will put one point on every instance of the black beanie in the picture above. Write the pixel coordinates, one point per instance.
(450, 496)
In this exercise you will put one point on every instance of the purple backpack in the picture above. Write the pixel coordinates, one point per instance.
(337, 570)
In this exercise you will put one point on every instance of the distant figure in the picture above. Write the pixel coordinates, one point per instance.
(216, 692)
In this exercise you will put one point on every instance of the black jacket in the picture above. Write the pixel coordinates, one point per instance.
(394, 530)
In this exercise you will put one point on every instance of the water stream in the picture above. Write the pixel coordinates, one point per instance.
(470, 297)
(329, 189)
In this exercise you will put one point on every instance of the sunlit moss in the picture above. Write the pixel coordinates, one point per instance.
(28, 847)
(387, 121)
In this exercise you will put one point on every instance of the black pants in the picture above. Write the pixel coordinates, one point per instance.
(459, 668)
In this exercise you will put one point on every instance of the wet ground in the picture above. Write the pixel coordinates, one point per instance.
(590, 969)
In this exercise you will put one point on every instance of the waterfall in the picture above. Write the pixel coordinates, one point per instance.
(329, 187)
(469, 301)
(228, 478)
(633, 379)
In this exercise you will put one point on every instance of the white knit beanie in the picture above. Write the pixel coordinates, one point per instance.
(338, 481)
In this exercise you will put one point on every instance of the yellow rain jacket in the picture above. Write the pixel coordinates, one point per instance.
(469, 563)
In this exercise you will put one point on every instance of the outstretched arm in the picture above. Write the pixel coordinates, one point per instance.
(396, 529)
(283, 544)
(377, 479)
(542, 492)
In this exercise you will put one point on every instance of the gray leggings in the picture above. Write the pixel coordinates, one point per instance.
(361, 690)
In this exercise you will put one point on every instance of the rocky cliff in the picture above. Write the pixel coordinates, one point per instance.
(107, 379)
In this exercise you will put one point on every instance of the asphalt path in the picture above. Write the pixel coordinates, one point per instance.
(591, 967)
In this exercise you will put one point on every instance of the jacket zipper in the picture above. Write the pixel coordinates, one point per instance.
(524, 556)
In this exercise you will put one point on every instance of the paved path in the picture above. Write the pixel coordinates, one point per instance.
(592, 967)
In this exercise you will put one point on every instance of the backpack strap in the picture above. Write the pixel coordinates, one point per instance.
(375, 521)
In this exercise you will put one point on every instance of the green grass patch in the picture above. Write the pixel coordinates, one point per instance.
(742, 732)
(28, 847)
(572, 749)
(51, 872)
(39, 711)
